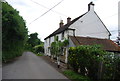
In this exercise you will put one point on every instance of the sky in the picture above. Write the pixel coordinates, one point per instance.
(32, 12)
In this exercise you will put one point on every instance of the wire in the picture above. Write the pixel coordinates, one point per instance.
(49, 8)
(46, 11)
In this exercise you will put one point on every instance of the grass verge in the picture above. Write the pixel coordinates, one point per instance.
(75, 76)
(39, 54)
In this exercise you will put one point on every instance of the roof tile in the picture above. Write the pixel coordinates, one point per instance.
(107, 44)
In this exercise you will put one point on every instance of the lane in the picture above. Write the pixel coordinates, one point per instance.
(30, 66)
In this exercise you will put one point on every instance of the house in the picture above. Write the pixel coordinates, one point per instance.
(86, 29)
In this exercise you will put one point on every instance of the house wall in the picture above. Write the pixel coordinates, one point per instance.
(90, 26)
(48, 42)
(52, 40)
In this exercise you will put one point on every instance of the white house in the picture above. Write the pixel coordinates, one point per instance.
(88, 25)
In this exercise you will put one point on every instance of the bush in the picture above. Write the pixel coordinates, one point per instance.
(73, 59)
(111, 66)
(94, 62)
(39, 48)
(86, 57)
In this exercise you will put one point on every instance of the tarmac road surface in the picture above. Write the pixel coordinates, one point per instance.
(30, 66)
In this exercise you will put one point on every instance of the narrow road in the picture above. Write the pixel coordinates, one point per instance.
(30, 66)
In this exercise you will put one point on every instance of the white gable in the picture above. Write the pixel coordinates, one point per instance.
(90, 26)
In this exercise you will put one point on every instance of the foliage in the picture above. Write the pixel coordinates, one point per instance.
(99, 63)
(111, 66)
(75, 76)
(72, 58)
(65, 42)
(57, 46)
(34, 44)
(53, 48)
(82, 57)
(39, 48)
(14, 32)
(39, 54)
(33, 40)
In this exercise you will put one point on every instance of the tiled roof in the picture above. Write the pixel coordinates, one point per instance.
(107, 44)
(65, 27)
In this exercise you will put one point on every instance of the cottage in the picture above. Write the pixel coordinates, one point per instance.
(87, 29)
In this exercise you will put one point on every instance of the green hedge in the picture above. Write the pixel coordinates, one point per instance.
(14, 33)
(94, 62)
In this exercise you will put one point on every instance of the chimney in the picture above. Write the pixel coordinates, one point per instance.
(91, 6)
(68, 20)
(61, 24)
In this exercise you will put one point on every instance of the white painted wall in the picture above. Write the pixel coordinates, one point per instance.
(52, 40)
(66, 34)
(48, 44)
(90, 26)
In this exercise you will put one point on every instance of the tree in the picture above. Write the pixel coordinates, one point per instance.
(33, 40)
(14, 32)
(34, 44)
(56, 48)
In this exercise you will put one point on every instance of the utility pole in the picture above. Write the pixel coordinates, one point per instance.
(118, 38)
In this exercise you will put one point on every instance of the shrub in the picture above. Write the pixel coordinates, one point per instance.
(99, 63)
(86, 57)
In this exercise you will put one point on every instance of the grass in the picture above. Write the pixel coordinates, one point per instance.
(39, 54)
(75, 76)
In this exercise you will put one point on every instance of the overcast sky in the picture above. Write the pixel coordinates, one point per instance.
(30, 10)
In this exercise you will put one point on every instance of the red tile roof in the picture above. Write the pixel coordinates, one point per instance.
(107, 44)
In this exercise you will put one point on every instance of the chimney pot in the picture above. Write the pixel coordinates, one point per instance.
(68, 20)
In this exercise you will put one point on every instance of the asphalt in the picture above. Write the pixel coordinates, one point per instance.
(30, 66)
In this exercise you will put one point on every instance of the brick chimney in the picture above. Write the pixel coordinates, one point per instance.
(91, 6)
(68, 20)
(61, 24)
